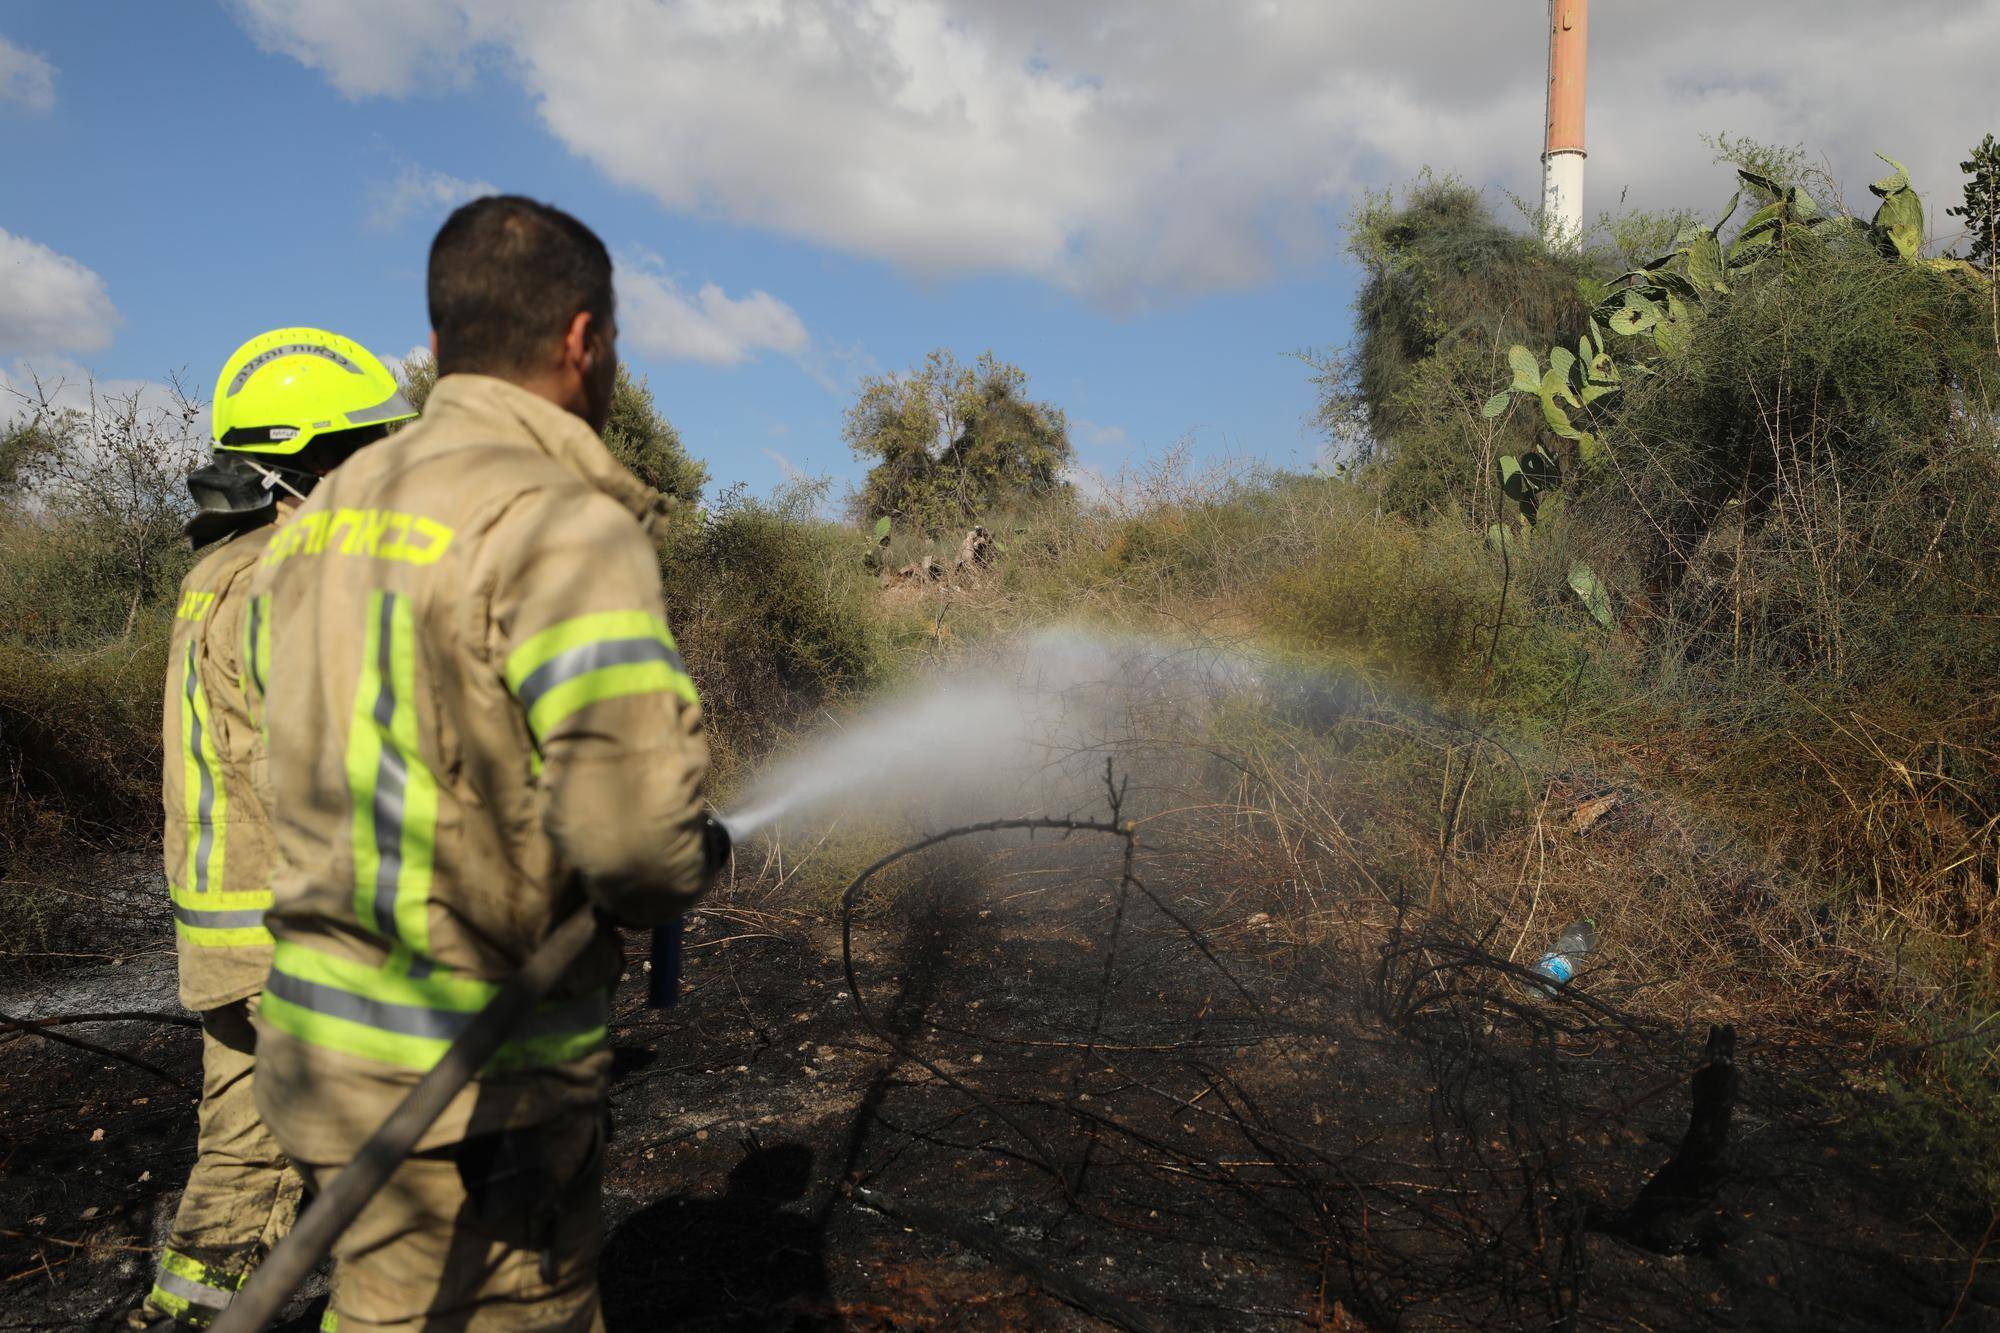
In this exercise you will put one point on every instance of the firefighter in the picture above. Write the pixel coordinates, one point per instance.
(479, 722)
(288, 406)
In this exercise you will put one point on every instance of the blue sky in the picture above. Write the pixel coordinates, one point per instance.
(1138, 202)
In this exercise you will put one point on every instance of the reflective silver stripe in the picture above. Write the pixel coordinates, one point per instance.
(409, 1019)
(231, 920)
(589, 657)
(392, 774)
(205, 804)
(264, 358)
(193, 1292)
(568, 1018)
(389, 409)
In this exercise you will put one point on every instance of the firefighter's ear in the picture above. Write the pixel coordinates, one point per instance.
(578, 350)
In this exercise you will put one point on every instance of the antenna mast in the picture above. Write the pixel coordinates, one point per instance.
(1562, 145)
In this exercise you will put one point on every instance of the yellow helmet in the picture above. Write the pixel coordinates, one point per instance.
(283, 390)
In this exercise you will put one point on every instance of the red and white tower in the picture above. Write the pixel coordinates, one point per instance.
(1562, 146)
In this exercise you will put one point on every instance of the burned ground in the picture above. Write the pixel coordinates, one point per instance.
(1407, 1136)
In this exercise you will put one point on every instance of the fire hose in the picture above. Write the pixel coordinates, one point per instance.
(258, 1304)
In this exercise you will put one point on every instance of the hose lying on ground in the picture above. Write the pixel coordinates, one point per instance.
(258, 1304)
(39, 1027)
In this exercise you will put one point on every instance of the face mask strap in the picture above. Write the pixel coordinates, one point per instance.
(273, 478)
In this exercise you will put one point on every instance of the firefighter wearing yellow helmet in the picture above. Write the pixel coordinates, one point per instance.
(289, 406)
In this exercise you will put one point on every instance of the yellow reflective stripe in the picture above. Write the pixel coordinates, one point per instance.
(558, 639)
(540, 1052)
(176, 1307)
(347, 1036)
(439, 990)
(589, 659)
(191, 1292)
(350, 1037)
(388, 1016)
(221, 920)
(394, 795)
(204, 798)
(229, 937)
(187, 1266)
(611, 682)
(191, 775)
(243, 900)
(364, 758)
(418, 850)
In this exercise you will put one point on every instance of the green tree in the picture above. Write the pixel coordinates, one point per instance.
(952, 442)
(637, 434)
(1447, 287)
(92, 498)
(1981, 209)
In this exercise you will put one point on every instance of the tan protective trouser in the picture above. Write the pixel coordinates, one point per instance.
(500, 1232)
(241, 1197)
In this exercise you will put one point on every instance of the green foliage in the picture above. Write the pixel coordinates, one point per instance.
(1937, 1105)
(419, 375)
(1981, 206)
(1754, 461)
(1645, 324)
(772, 611)
(1448, 288)
(1778, 427)
(80, 739)
(1633, 238)
(1441, 269)
(1778, 162)
(25, 446)
(1899, 222)
(91, 511)
(952, 442)
(1418, 605)
(91, 557)
(646, 442)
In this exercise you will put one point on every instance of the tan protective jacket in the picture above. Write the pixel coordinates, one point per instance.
(219, 852)
(476, 716)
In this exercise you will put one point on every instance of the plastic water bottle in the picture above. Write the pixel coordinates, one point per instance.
(1559, 964)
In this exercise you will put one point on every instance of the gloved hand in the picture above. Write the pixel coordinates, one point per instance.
(663, 986)
(715, 842)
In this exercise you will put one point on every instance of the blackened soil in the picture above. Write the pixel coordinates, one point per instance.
(1048, 1141)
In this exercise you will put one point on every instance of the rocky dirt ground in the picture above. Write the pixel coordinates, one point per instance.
(1048, 1140)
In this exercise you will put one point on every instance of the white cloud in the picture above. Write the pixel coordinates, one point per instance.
(838, 368)
(26, 78)
(1129, 148)
(1092, 486)
(177, 419)
(49, 302)
(399, 367)
(710, 327)
(366, 48)
(785, 466)
(1092, 435)
(424, 194)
